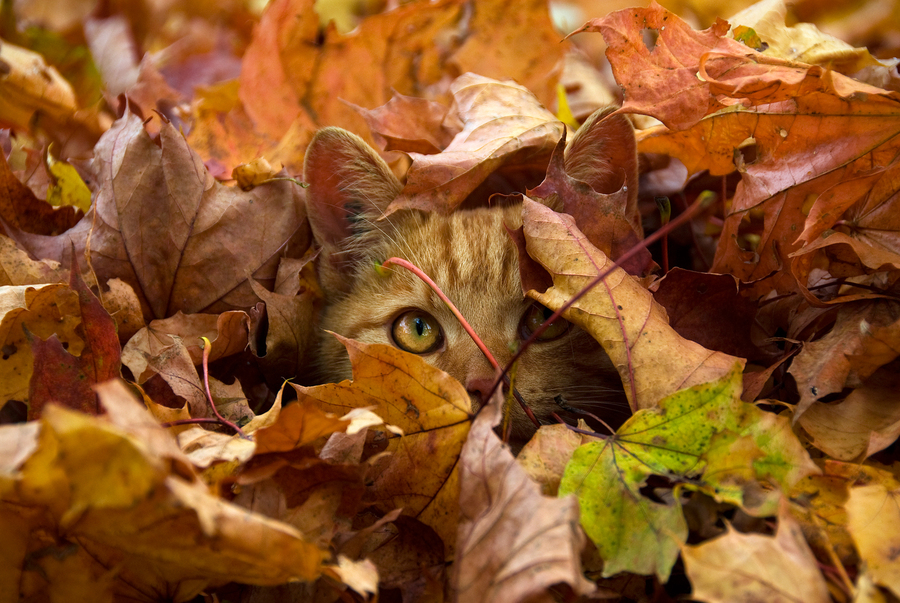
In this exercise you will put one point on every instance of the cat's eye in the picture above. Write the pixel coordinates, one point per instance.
(535, 316)
(417, 332)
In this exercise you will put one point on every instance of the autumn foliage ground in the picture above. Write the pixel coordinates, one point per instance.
(156, 255)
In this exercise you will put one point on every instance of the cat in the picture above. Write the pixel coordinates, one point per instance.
(470, 255)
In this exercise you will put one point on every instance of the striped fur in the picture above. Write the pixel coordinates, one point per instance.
(472, 258)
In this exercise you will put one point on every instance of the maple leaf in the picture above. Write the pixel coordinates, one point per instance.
(503, 125)
(430, 411)
(188, 243)
(604, 216)
(849, 353)
(873, 519)
(704, 431)
(22, 210)
(142, 511)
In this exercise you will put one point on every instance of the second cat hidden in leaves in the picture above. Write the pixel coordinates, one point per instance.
(471, 256)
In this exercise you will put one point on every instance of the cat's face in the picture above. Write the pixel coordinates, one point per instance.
(470, 255)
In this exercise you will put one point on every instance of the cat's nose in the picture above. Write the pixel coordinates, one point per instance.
(479, 388)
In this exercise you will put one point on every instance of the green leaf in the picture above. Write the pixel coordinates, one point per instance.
(703, 437)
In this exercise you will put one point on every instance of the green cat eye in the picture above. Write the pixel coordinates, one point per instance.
(417, 332)
(535, 316)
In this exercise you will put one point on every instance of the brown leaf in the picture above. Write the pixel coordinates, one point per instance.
(293, 332)
(544, 457)
(228, 332)
(22, 210)
(148, 520)
(500, 557)
(865, 422)
(124, 306)
(752, 566)
(66, 378)
(495, 46)
(16, 268)
(710, 309)
(662, 80)
(504, 126)
(862, 213)
(865, 336)
(429, 407)
(297, 425)
(874, 522)
(602, 215)
(652, 359)
(43, 311)
(410, 124)
(186, 243)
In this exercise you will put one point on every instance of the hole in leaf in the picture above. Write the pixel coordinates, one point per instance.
(745, 154)
(650, 35)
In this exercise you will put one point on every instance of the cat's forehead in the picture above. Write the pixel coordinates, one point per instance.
(469, 254)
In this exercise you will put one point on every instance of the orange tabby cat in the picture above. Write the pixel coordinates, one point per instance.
(472, 258)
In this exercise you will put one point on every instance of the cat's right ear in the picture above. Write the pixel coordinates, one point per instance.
(349, 185)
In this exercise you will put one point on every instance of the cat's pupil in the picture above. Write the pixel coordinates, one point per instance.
(420, 327)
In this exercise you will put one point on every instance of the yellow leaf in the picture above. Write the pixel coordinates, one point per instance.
(67, 187)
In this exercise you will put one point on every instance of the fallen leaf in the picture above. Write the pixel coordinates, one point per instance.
(504, 126)
(228, 333)
(410, 124)
(16, 268)
(873, 518)
(189, 244)
(22, 210)
(662, 80)
(865, 422)
(297, 425)
(652, 359)
(710, 309)
(433, 412)
(500, 558)
(496, 48)
(802, 42)
(143, 515)
(544, 456)
(754, 567)
(682, 438)
(604, 216)
(865, 337)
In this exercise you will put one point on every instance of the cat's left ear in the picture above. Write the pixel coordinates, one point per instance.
(603, 153)
(349, 185)
(346, 178)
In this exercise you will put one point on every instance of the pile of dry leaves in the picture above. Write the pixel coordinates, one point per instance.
(139, 281)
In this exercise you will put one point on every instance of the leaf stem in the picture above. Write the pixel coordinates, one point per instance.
(207, 346)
